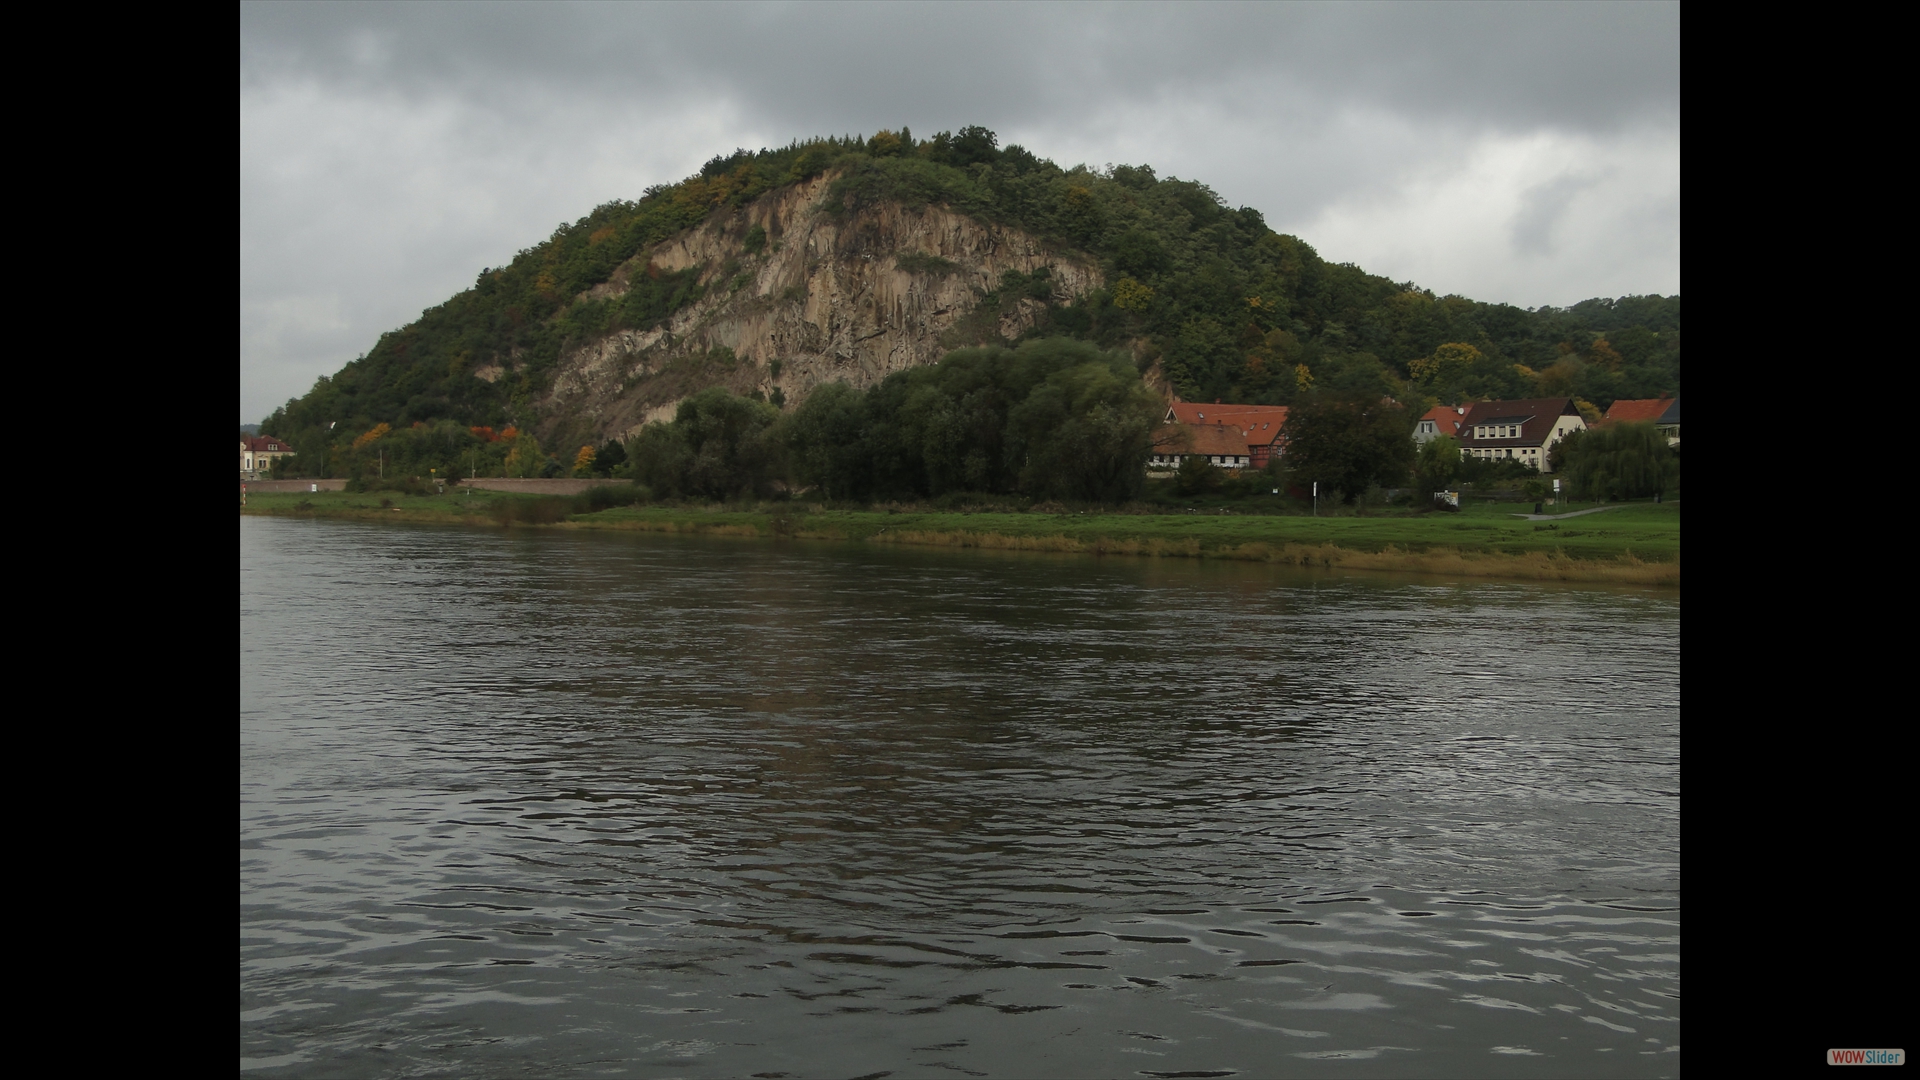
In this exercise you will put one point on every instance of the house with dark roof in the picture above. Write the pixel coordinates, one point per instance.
(1663, 413)
(257, 454)
(1260, 426)
(1669, 422)
(1220, 445)
(1523, 431)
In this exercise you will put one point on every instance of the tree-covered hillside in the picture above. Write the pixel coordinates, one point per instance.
(1228, 308)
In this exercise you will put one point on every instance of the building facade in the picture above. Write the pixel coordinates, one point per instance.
(1218, 444)
(1439, 420)
(1261, 427)
(258, 453)
(1523, 431)
(1663, 413)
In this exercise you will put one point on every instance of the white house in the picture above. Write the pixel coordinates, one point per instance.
(1523, 431)
(1218, 444)
(257, 454)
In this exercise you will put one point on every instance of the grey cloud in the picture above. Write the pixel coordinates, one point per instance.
(390, 151)
(1589, 66)
(1541, 208)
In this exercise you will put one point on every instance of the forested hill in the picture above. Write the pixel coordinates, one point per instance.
(1211, 301)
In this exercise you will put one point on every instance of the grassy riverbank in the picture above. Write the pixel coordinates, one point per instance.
(1634, 543)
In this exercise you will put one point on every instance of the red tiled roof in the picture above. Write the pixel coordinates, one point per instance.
(1262, 429)
(1259, 424)
(1208, 439)
(259, 443)
(1640, 411)
(1446, 418)
(1188, 412)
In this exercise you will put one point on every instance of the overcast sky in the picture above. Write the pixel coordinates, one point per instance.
(1526, 153)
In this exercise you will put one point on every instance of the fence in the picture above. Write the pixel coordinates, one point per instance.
(539, 487)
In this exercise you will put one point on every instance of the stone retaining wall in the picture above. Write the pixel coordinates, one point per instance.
(484, 483)
(263, 486)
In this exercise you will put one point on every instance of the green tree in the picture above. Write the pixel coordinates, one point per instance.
(609, 458)
(1130, 295)
(1437, 465)
(1619, 461)
(1085, 432)
(1197, 476)
(525, 458)
(1350, 443)
(732, 449)
(659, 457)
(1054, 417)
(826, 441)
(1443, 372)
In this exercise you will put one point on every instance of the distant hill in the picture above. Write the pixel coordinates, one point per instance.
(775, 271)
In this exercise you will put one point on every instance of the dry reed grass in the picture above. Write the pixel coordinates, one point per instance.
(666, 525)
(1529, 566)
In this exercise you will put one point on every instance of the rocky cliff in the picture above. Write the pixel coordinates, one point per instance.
(848, 296)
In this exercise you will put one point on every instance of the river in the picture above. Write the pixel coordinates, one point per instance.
(555, 803)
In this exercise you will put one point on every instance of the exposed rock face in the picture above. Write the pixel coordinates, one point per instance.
(828, 298)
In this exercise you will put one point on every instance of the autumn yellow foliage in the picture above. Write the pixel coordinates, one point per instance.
(1130, 295)
(372, 436)
(1447, 362)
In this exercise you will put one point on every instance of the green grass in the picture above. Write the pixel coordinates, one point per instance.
(457, 509)
(1638, 532)
(1650, 532)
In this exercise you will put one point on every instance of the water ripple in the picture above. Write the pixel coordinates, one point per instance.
(588, 804)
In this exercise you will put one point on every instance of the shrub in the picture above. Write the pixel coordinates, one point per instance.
(1197, 476)
(919, 262)
(1437, 464)
(1620, 461)
(604, 497)
(542, 510)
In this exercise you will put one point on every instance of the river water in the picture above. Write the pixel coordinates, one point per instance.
(557, 804)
